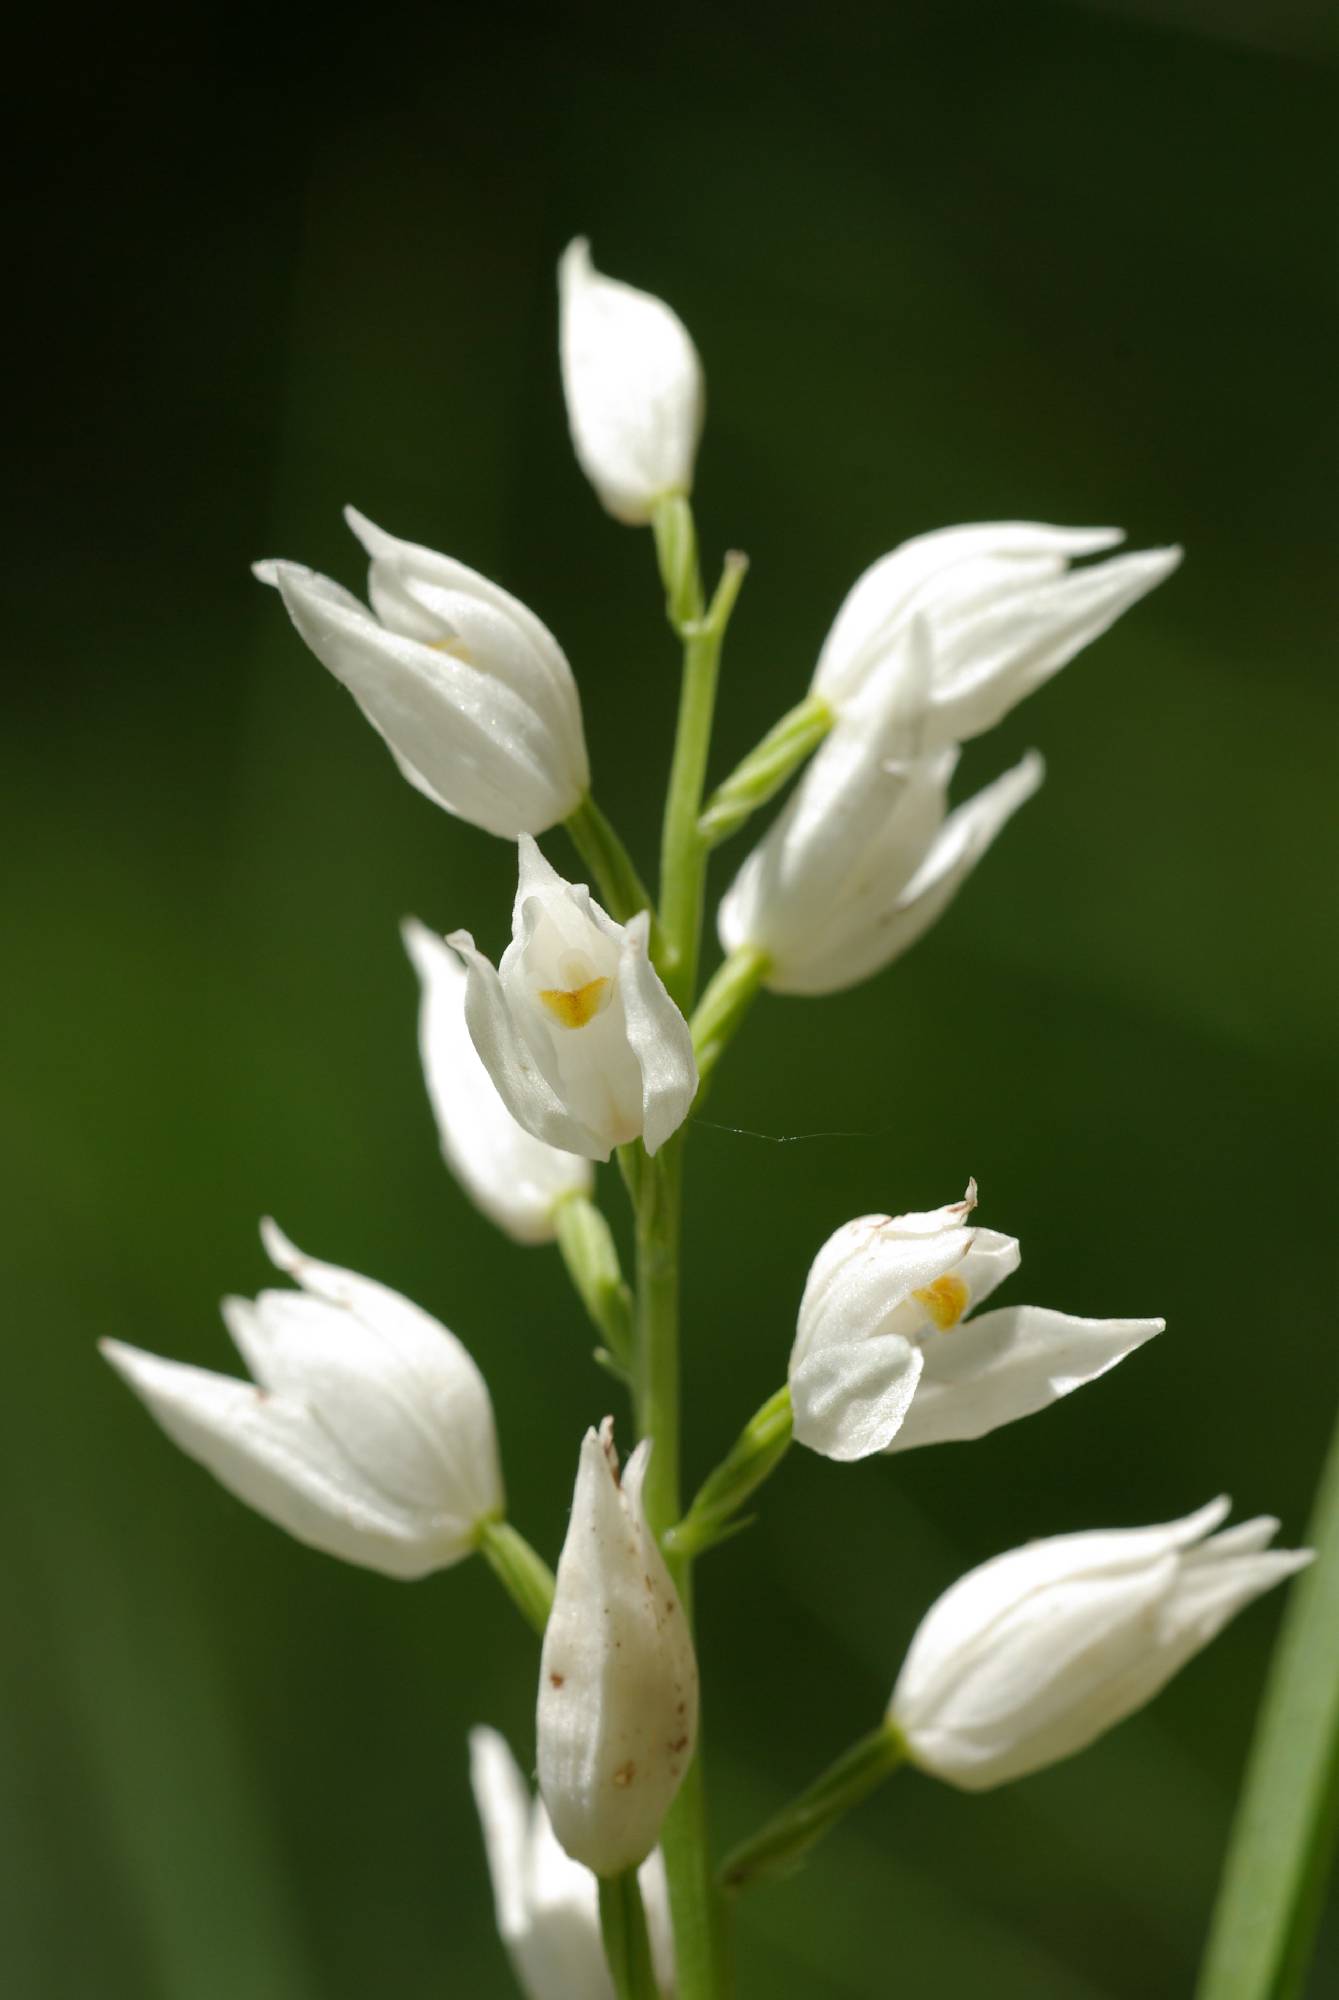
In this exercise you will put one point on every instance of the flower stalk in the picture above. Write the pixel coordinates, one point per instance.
(760, 775)
(780, 1846)
(627, 1946)
(522, 1572)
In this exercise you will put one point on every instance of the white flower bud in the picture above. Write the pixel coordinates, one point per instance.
(547, 1905)
(513, 1177)
(585, 1046)
(865, 856)
(1034, 1655)
(617, 1717)
(471, 693)
(633, 384)
(368, 1431)
(886, 1359)
(1005, 612)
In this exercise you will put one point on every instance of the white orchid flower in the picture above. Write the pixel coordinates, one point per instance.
(866, 855)
(1034, 1655)
(471, 693)
(617, 1715)
(547, 1905)
(634, 390)
(367, 1432)
(885, 1357)
(585, 1046)
(1004, 609)
(516, 1179)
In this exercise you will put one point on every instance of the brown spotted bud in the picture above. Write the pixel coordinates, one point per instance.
(618, 1678)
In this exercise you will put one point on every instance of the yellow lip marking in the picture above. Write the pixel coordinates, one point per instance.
(455, 647)
(573, 1009)
(945, 1301)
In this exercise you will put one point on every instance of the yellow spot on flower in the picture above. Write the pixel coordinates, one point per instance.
(572, 1009)
(945, 1300)
(455, 647)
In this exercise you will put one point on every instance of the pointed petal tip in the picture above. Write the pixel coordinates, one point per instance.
(267, 570)
(280, 1249)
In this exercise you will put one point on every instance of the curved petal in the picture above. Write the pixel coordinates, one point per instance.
(516, 1179)
(268, 1452)
(1007, 1364)
(659, 1036)
(524, 1089)
(849, 1401)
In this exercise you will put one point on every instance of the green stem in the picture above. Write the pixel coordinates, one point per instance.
(620, 887)
(782, 1844)
(729, 994)
(1283, 1841)
(591, 1258)
(754, 1456)
(627, 1947)
(766, 768)
(683, 854)
(524, 1575)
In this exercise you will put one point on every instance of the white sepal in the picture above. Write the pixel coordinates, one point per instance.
(634, 389)
(516, 1179)
(1034, 1655)
(617, 1715)
(471, 693)
(547, 1904)
(367, 1431)
(1005, 613)
(885, 1357)
(865, 855)
(583, 1043)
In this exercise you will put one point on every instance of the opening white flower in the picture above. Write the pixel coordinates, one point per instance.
(866, 855)
(547, 1904)
(516, 1179)
(885, 1357)
(471, 693)
(617, 1716)
(633, 383)
(1005, 612)
(1034, 1655)
(367, 1432)
(585, 1046)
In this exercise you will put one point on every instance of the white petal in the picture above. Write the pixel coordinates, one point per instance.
(961, 843)
(468, 739)
(1007, 1364)
(502, 1799)
(659, 1037)
(269, 1453)
(962, 1621)
(875, 611)
(520, 1082)
(849, 1402)
(516, 1179)
(1018, 645)
(390, 1383)
(617, 1716)
(633, 384)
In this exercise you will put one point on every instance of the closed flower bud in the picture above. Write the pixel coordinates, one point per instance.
(516, 1179)
(633, 384)
(617, 1717)
(367, 1432)
(585, 1046)
(866, 854)
(547, 1904)
(1005, 612)
(471, 693)
(1036, 1654)
(885, 1357)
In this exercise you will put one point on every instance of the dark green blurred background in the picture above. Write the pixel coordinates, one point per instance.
(944, 263)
